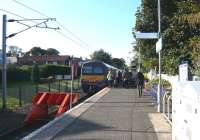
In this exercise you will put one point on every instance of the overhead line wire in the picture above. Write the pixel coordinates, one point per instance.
(9, 12)
(65, 28)
(6, 11)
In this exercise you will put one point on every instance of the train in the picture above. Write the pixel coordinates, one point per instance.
(94, 75)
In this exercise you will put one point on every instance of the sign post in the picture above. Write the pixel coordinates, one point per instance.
(140, 35)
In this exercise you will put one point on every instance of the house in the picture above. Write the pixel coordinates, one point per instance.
(44, 59)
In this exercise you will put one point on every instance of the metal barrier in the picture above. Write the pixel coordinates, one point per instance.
(167, 97)
(166, 101)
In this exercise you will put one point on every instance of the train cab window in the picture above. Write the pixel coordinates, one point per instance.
(98, 70)
(87, 69)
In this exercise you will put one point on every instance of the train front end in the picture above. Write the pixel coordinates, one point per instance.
(93, 76)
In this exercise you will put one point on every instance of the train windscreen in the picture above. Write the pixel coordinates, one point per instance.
(87, 70)
(98, 70)
(93, 68)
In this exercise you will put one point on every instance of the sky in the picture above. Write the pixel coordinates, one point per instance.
(85, 25)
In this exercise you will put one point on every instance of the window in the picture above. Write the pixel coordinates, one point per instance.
(87, 69)
(98, 70)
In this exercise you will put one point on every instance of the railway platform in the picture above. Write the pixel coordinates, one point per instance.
(111, 114)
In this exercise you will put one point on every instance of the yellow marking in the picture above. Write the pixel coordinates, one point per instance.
(92, 78)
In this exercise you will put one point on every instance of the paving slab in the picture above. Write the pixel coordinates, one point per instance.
(114, 114)
(119, 115)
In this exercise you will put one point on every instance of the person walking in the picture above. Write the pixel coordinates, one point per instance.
(110, 78)
(140, 83)
(119, 79)
(125, 76)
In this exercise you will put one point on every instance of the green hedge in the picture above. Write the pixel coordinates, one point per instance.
(23, 73)
(51, 70)
(15, 73)
(164, 83)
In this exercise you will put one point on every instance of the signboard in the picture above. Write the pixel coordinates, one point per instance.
(140, 35)
(67, 77)
(183, 72)
(159, 45)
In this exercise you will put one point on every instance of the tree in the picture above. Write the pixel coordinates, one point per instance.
(35, 73)
(178, 35)
(180, 22)
(14, 51)
(36, 51)
(101, 55)
(118, 63)
(52, 51)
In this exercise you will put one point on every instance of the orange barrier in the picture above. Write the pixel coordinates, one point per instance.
(42, 100)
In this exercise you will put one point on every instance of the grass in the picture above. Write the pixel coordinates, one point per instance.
(28, 90)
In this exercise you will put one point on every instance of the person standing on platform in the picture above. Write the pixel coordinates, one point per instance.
(119, 79)
(125, 76)
(110, 78)
(140, 82)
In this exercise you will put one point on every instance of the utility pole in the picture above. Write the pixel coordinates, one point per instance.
(4, 39)
(4, 80)
(159, 36)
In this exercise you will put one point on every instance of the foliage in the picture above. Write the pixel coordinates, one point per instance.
(180, 28)
(194, 44)
(146, 77)
(14, 51)
(197, 71)
(164, 83)
(101, 55)
(52, 70)
(118, 63)
(37, 51)
(17, 74)
(52, 51)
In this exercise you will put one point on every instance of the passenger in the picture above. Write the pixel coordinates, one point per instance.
(115, 77)
(125, 79)
(119, 79)
(140, 82)
(129, 79)
(110, 78)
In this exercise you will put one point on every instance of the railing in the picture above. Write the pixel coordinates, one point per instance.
(168, 115)
(166, 101)
(19, 95)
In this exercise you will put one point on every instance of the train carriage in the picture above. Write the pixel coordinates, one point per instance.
(93, 75)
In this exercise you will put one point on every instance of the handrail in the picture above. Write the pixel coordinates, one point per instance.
(167, 116)
(168, 107)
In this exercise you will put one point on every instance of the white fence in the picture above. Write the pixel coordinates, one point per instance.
(186, 110)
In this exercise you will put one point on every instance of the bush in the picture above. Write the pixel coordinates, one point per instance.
(51, 70)
(146, 77)
(164, 83)
(16, 74)
(197, 71)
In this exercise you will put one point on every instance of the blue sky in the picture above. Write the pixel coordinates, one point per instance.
(105, 24)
